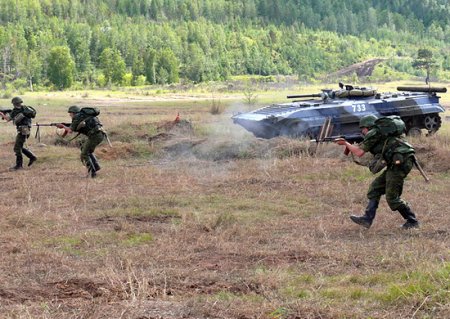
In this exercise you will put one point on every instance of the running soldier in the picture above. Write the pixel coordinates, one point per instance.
(21, 116)
(86, 122)
(383, 138)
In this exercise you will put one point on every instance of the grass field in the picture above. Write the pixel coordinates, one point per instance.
(202, 220)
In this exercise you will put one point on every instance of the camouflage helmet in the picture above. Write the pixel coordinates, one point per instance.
(73, 109)
(367, 121)
(16, 100)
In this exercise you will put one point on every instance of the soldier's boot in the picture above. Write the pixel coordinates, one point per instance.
(407, 213)
(30, 155)
(19, 164)
(369, 215)
(91, 170)
(94, 162)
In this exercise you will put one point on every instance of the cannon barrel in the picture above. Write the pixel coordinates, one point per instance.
(303, 96)
(422, 89)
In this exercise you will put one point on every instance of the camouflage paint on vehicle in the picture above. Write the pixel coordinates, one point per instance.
(418, 107)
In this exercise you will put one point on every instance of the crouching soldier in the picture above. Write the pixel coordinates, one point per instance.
(21, 116)
(86, 122)
(383, 138)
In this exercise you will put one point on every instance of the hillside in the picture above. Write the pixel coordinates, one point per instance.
(361, 69)
(82, 44)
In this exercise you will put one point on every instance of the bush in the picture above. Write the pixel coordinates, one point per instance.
(101, 80)
(140, 80)
(20, 84)
(7, 94)
(126, 79)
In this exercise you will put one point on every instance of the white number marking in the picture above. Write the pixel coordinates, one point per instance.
(359, 107)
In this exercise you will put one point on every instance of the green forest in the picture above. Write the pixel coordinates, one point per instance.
(59, 44)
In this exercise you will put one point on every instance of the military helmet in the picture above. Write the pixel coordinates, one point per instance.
(367, 121)
(73, 109)
(16, 100)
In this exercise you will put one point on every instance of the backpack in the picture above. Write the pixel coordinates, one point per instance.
(29, 111)
(89, 120)
(90, 112)
(391, 125)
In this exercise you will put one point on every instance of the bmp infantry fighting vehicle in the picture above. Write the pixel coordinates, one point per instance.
(418, 107)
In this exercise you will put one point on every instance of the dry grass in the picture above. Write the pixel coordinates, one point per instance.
(209, 222)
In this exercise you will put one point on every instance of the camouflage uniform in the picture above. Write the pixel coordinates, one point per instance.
(23, 125)
(391, 180)
(92, 128)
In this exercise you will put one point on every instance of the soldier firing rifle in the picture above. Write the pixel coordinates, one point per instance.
(382, 138)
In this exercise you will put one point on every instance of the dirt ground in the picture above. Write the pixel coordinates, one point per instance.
(186, 224)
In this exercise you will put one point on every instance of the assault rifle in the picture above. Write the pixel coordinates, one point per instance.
(52, 124)
(349, 138)
(38, 125)
(330, 138)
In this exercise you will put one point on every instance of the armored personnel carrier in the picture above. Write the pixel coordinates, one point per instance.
(305, 116)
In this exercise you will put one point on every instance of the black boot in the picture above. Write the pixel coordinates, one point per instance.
(94, 162)
(407, 213)
(30, 155)
(367, 219)
(91, 170)
(19, 162)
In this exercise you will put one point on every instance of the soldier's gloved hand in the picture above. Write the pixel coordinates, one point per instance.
(340, 141)
(60, 125)
(65, 132)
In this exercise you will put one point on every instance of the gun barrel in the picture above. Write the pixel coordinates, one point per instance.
(303, 96)
(52, 124)
(422, 89)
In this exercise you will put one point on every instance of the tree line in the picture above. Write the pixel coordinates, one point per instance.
(67, 43)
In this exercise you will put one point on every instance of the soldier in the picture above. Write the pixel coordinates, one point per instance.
(89, 125)
(21, 116)
(398, 156)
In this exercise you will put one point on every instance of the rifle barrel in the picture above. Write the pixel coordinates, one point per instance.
(52, 124)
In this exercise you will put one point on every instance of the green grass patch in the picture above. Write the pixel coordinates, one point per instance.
(360, 174)
(141, 212)
(246, 208)
(137, 239)
(72, 245)
(279, 313)
(144, 206)
(225, 296)
(89, 242)
(418, 285)
(387, 288)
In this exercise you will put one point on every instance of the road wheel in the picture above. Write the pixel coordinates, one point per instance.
(432, 123)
